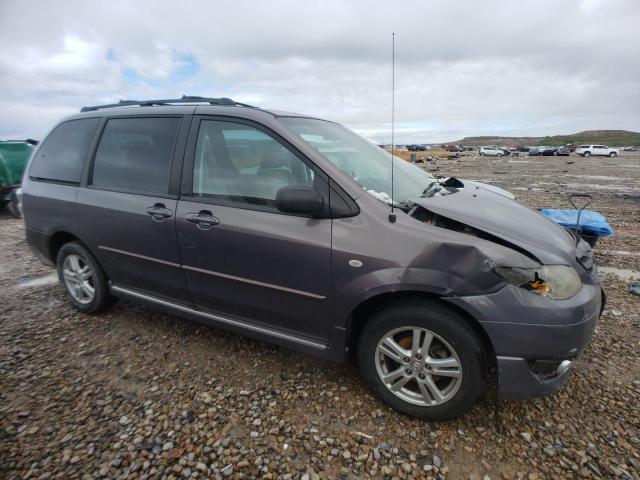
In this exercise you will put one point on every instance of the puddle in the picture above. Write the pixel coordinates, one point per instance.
(593, 186)
(621, 252)
(597, 186)
(50, 279)
(622, 273)
(598, 177)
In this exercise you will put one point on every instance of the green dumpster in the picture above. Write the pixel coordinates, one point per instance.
(14, 155)
(13, 160)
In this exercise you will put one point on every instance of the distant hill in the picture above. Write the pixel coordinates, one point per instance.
(611, 138)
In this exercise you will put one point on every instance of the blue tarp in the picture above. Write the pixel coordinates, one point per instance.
(590, 221)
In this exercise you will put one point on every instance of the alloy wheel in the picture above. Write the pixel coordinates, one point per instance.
(78, 278)
(418, 366)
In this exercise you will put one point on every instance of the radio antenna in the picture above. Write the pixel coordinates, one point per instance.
(392, 215)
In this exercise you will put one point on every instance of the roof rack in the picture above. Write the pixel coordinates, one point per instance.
(170, 101)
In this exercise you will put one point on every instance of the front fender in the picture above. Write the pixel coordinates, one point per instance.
(417, 280)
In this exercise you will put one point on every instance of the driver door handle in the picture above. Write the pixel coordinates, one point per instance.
(204, 219)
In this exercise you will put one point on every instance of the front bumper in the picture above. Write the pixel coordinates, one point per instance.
(524, 328)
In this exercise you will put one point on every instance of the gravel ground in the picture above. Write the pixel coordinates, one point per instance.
(134, 393)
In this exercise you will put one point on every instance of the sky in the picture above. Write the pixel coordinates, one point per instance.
(463, 68)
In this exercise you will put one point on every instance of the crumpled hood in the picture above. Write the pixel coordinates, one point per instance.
(506, 219)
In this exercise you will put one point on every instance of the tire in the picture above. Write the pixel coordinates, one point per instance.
(586, 154)
(15, 205)
(93, 279)
(613, 154)
(499, 155)
(453, 340)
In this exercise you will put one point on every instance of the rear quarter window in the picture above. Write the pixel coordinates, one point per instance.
(61, 156)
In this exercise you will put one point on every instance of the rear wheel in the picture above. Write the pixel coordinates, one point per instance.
(423, 360)
(83, 279)
(586, 154)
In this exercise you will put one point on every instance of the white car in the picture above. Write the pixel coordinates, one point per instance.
(491, 151)
(588, 150)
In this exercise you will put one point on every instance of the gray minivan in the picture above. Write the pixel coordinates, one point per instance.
(280, 226)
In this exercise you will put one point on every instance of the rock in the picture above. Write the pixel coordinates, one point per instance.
(167, 446)
(436, 461)
(227, 471)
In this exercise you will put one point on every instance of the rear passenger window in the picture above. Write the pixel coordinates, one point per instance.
(241, 164)
(134, 154)
(61, 156)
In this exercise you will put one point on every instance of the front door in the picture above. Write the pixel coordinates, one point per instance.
(240, 255)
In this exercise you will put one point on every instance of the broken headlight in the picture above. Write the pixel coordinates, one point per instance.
(558, 282)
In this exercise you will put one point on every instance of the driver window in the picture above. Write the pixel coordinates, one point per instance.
(241, 164)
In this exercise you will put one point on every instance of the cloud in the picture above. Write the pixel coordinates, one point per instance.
(476, 67)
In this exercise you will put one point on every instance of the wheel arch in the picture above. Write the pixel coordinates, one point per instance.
(361, 314)
(57, 241)
(62, 237)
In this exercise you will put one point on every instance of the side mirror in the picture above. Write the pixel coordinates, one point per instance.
(300, 200)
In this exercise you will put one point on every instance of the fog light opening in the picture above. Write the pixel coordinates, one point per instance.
(546, 369)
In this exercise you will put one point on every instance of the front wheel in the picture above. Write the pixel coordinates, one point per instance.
(423, 360)
(586, 154)
(613, 154)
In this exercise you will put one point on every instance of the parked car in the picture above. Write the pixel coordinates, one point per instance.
(562, 152)
(282, 227)
(453, 148)
(491, 151)
(547, 151)
(631, 149)
(601, 150)
(534, 151)
(14, 155)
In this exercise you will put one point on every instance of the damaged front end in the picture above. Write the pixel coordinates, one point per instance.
(550, 299)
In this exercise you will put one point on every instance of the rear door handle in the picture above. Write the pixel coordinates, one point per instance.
(204, 219)
(159, 212)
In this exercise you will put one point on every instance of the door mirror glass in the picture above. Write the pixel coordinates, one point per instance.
(300, 200)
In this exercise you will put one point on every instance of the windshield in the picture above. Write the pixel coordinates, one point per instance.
(366, 163)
